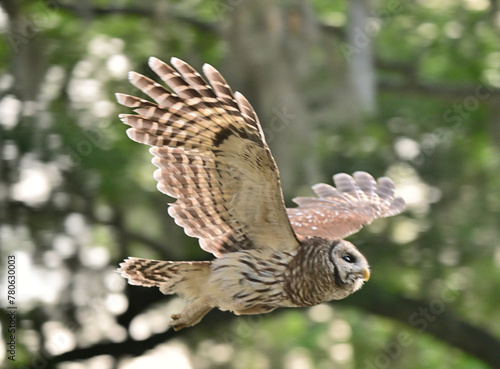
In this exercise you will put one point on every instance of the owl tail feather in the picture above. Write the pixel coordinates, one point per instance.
(186, 278)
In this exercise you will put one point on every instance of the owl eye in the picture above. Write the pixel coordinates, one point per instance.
(349, 258)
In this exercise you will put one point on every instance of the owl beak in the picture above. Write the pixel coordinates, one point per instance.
(366, 274)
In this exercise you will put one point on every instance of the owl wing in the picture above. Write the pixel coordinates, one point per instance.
(339, 212)
(212, 157)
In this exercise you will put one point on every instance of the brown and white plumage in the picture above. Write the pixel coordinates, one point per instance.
(339, 212)
(212, 157)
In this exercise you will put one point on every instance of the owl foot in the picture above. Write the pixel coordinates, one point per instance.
(178, 322)
(191, 315)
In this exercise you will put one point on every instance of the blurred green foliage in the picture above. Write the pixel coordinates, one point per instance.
(436, 133)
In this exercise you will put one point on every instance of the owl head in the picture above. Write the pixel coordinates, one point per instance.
(330, 269)
(350, 268)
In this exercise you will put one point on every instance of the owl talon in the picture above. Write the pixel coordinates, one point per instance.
(191, 315)
(178, 322)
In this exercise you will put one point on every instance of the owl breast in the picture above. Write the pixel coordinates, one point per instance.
(250, 281)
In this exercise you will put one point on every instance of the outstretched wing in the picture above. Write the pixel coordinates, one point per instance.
(212, 157)
(339, 212)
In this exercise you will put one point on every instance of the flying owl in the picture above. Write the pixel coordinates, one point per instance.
(212, 157)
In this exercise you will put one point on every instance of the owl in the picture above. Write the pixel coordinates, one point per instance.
(212, 157)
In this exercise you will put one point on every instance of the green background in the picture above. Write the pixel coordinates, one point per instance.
(404, 89)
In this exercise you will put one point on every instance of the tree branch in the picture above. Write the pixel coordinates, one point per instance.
(410, 84)
(131, 347)
(117, 349)
(432, 317)
(479, 90)
(137, 11)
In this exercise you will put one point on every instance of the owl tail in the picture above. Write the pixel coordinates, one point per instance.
(186, 278)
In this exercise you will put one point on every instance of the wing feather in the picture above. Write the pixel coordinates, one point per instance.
(212, 157)
(338, 212)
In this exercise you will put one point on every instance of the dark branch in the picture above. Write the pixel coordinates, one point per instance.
(117, 349)
(142, 11)
(434, 317)
(479, 90)
(131, 347)
(336, 31)
(407, 70)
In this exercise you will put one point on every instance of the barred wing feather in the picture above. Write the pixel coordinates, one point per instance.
(339, 212)
(212, 157)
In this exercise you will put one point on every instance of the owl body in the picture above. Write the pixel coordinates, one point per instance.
(252, 280)
(212, 157)
(255, 281)
(249, 281)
